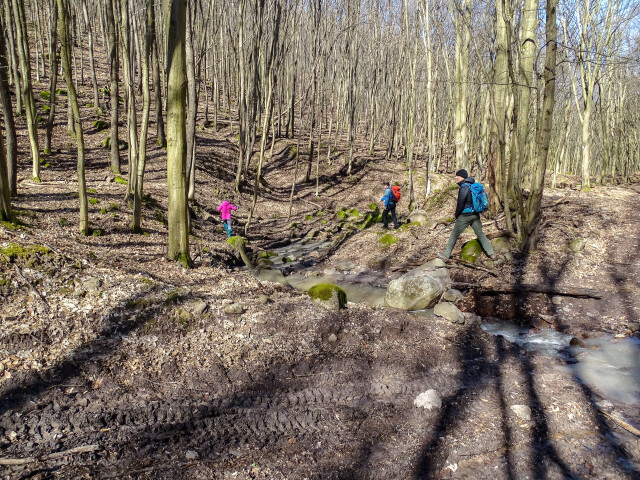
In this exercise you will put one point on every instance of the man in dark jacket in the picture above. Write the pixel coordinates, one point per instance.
(465, 216)
(390, 202)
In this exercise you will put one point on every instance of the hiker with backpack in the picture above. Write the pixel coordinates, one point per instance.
(471, 201)
(225, 214)
(390, 198)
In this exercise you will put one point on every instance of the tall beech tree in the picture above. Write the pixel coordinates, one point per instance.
(175, 15)
(65, 42)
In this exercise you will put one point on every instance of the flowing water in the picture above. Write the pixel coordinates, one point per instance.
(612, 365)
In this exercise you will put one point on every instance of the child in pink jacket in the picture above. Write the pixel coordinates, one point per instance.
(225, 213)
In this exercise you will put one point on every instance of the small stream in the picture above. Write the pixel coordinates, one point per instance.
(612, 365)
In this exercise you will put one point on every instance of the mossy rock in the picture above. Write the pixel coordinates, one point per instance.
(471, 251)
(329, 296)
(93, 201)
(353, 212)
(45, 94)
(100, 125)
(266, 254)
(120, 180)
(61, 92)
(342, 214)
(46, 108)
(122, 145)
(308, 217)
(387, 240)
(31, 254)
(577, 244)
(373, 206)
(369, 220)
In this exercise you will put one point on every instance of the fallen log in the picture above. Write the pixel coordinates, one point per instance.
(497, 289)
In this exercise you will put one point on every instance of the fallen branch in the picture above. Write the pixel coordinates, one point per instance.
(46, 304)
(51, 456)
(629, 428)
(319, 207)
(472, 266)
(567, 292)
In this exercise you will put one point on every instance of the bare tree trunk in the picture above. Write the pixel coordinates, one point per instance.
(161, 138)
(27, 91)
(132, 118)
(113, 90)
(94, 82)
(66, 62)
(11, 158)
(11, 27)
(144, 126)
(175, 15)
(543, 138)
(192, 111)
(6, 215)
(53, 77)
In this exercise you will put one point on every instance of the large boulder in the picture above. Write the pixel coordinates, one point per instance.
(418, 289)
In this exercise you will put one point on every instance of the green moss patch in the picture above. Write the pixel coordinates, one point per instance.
(32, 254)
(120, 180)
(387, 240)
(325, 291)
(471, 251)
(100, 125)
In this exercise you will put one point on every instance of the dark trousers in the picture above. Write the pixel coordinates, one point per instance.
(385, 216)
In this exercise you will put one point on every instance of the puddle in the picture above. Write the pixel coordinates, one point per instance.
(612, 365)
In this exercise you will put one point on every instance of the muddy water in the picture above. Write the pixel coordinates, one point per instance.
(612, 365)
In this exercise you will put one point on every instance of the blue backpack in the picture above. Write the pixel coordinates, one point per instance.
(479, 197)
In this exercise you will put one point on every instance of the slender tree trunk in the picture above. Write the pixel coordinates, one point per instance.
(11, 26)
(53, 78)
(192, 111)
(161, 138)
(543, 137)
(94, 82)
(6, 215)
(27, 91)
(11, 158)
(71, 91)
(144, 126)
(113, 90)
(132, 117)
(178, 249)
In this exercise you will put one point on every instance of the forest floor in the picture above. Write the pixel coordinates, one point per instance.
(117, 363)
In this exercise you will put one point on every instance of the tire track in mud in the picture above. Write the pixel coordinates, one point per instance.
(209, 426)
